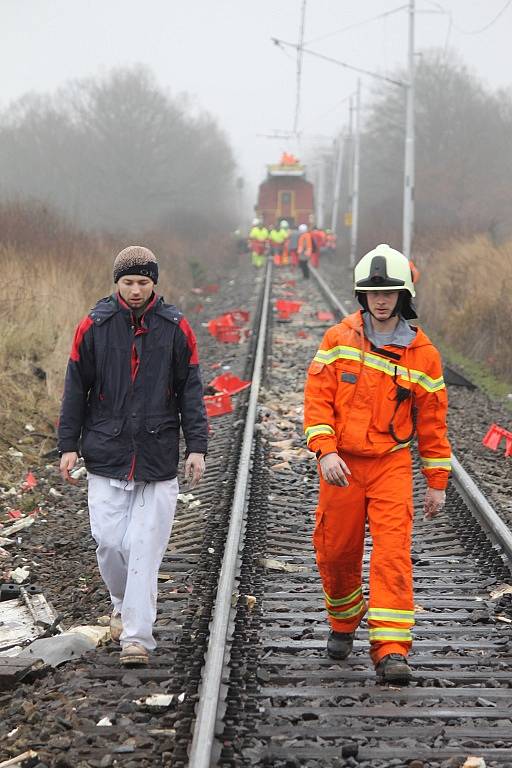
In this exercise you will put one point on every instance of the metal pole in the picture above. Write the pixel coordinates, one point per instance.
(355, 183)
(321, 193)
(408, 214)
(300, 56)
(337, 185)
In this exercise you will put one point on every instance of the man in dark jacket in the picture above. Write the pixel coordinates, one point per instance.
(132, 379)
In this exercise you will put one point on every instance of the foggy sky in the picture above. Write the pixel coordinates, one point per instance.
(219, 51)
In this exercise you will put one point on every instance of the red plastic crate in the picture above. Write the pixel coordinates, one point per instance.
(218, 405)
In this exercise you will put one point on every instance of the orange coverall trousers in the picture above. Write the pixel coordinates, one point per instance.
(380, 490)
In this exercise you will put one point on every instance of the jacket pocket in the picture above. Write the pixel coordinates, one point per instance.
(102, 440)
(161, 444)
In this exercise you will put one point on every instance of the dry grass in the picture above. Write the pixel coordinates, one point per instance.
(465, 296)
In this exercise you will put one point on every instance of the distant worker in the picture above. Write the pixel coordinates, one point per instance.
(330, 242)
(304, 249)
(285, 230)
(318, 242)
(277, 236)
(293, 242)
(375, 383)
(258, 237)
(414, 271)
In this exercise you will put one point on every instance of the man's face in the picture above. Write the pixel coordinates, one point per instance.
(382, 303)
(135, 289)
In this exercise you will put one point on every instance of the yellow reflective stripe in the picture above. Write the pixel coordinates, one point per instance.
(349, 612)
(402, 635)
(318, 429)
(436, 463)
(389, 614)
(343, 600)
(329, 356)
(400, 445)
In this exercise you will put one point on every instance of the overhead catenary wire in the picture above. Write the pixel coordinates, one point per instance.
(339, 63)
(356, 24)
(478, 31)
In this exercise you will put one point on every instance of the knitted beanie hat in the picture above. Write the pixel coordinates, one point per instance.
(136, 260)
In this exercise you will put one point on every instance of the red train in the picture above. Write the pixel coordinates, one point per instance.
(286, 194)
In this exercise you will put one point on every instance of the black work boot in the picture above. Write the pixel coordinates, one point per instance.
(394, 669)
(339, 644)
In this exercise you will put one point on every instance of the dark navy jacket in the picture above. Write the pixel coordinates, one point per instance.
(129, 385)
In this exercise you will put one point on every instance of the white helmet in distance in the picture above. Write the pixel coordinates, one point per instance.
(284, 224)
(256, 222)
(383, 269)
(303, 228)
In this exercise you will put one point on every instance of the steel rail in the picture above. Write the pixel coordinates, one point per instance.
(466, 487)
(204, 729)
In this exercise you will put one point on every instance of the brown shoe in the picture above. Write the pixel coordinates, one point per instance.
(134, 655)
(116, 627)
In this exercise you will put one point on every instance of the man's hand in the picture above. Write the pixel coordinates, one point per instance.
(334, 470)
(67, 462)
(194, 469)
(434, 502)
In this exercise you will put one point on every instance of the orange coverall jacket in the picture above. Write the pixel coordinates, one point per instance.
(350, 398)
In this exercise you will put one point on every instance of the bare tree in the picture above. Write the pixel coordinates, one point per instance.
(117, 153)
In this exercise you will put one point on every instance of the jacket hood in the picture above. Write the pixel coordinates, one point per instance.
(356, 323)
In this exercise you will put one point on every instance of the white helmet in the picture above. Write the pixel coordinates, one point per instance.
(284, 224)
(383, 269)
(256, 222)
(303, 228)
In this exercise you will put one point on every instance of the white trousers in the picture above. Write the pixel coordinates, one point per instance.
(131, 524)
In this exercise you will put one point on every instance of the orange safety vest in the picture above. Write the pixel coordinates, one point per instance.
(305, 245)
(351, 398)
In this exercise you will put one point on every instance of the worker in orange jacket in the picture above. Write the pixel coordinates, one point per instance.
(304, 249)
(374, 384)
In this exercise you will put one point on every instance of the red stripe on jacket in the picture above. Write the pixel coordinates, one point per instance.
(80, 332)
(191, 341)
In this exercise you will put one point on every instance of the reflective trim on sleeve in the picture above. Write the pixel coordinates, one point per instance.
(318, 429)
(439, 463)
(390, 614)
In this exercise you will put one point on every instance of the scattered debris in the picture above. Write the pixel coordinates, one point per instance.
(29, 483)
(19, 525)
(502, 589)
(279, 565)
(19, 760)
(471, 762)
(229, 384)
(20, 574)
(494, 437)
(218, 405)
(186, 498)
(71, 644)
(251, 601)
(105, 722)
(157, 700)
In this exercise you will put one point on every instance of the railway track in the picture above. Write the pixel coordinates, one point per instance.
(241, 605)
